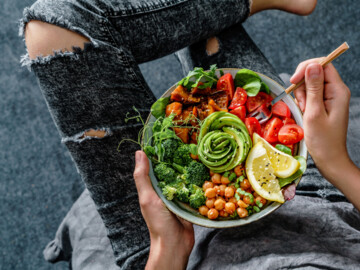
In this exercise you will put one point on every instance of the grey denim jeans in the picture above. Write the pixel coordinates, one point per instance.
(95, 87)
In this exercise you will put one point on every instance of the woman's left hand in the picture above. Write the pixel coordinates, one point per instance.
(172, 238)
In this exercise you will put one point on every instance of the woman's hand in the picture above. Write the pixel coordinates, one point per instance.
(172, 238)
(324, 99)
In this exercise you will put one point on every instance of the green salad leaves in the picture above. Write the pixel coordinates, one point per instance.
(251, 82)
(159, 107)
(208, 78)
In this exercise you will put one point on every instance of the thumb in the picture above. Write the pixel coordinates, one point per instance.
(314, 83)
(141, 174)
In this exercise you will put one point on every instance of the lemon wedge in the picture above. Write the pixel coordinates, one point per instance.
(284, 165)
(261, 175)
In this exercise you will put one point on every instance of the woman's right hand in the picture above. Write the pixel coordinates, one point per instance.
(324, 99)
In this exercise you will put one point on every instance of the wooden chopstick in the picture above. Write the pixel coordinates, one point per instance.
(333, 55)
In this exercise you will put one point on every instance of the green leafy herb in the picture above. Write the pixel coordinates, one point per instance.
(252, 88)
(284, 149)
(239, 180)
(249, 80)
(208, 78)
(158, 108)
(232, 176)
(285, 181)
(259, 203)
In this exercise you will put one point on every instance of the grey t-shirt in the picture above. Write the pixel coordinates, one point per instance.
(318, 229)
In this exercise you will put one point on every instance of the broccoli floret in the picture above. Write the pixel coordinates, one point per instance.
(196, 173)
(161, 184)
(165, 173)
(182, 192)
(197, 199)
(170, 146)
(169, 192)
(193, 188)
(182, 155)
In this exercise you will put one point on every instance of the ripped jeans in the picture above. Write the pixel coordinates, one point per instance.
(95, 87)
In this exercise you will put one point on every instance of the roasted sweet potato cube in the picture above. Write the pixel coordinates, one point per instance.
(175, 107)
(182, 133)
(182, 95)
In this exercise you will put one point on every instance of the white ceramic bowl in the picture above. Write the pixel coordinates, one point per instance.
(185, 211)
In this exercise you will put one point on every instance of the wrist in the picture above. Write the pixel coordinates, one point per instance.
(168, 254)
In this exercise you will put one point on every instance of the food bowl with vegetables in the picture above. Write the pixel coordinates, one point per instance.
(211, 163)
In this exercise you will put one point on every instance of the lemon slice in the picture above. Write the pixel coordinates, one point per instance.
(284, 165)
(261, 174)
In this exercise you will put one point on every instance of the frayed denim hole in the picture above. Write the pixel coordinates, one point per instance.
(26, 61)
(212, 46)
(81, 136)
(30, 14)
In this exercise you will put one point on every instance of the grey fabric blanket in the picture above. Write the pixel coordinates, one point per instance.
(318, 229)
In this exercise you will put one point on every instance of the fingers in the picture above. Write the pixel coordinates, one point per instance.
(331, 75)
(141, 176)
(300, 70)
(300, 96)
(314, 83)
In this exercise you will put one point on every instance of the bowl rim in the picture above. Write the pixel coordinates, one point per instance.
(176, 209)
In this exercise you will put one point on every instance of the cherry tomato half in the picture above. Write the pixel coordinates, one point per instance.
(226, 83)
(253, 103)
(253, 125)
(271, 129)
(290, 134)
(239, 99)
(240, 112)
(280, 109)
(288, 121)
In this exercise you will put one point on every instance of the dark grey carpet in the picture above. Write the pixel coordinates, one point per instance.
(38, 181)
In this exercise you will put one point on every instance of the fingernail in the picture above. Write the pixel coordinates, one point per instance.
(314, 71)
(138, 156)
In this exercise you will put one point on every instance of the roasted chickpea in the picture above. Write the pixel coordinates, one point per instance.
(219, 204)
(242, 212)
(229, 192)
(230, 207)
(216, 178)
(207, 184)
(211, 173)
(245, 184)
(223, 213)
(217, 189)
(233, 200)
(203, 210)
(210, 193)
(221, 191)
(212, 213)
(260, 199)
(241, 203)
(247, 200)
(210, 202)
(225, 180)
(255, 194)
(238, 170)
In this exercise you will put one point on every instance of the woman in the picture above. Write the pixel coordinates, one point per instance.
(88, 72)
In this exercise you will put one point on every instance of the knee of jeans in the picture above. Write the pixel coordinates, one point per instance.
(44, 39)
